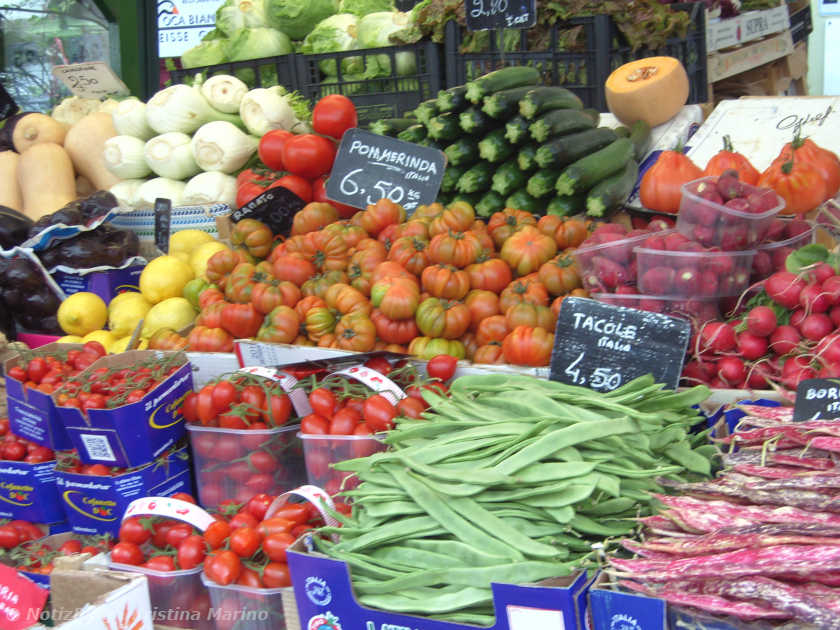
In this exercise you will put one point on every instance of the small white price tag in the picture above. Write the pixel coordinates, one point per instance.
(377, 381)
(170, 508)
(315, 495)
(94, 79)
(300, 401)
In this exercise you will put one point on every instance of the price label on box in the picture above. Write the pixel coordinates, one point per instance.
(94, 79)
(483, 15)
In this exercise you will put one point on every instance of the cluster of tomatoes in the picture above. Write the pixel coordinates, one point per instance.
(17, 532)
(14, 448)
(49, 372)
(239, 401)
(110, 387)
(26, 548)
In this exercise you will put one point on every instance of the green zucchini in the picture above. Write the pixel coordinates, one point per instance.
(564, 150)
(547, 98)
(622, 131)
(541, 183)
(593, 113)
(611, 192)
(504, 104)
(426, 110)
(470, 198)
(473, 120)
(503, 79)
(415, 133)
(490, 203)
(516, 130)
(494, 147)
(464, 151)
(640, 136)
(444, 126)
(586, 172)
(558, 122)
(521, 200)
(444, 199)
(451, 176)
(476, 179)
(391, 126)
(567, 205)
(527, 158)
(452, 100)
(428, 142)
(508, 178)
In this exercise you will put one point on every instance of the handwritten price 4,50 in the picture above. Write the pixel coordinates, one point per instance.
(601, 378)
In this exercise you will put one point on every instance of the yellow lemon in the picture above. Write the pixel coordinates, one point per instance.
(121, 345)
(124, 317)
(69, 339)
(175, 313)
(185, 256)
(188, 240)
(164, 278)
(82, 313)
(124, 297)
(200, 256)
(105, 337)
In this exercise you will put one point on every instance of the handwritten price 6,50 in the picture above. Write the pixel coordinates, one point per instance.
(387, 190)
(601, 378)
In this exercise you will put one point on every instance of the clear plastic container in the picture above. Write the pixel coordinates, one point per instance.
(714, 225)
(239, 463)
(770, 256)
(707, 274)
(697, 310)
(321, 451)
(248, 608)
(606, 266)
(179, 598)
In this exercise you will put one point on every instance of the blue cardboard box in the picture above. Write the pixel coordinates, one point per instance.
(324, 597)
(135, 434)
(28, 492)
(106, 283)
(32, 414)
(95, 504)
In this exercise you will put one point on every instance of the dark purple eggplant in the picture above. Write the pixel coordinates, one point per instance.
(14, 227)
(106, 245)
(8, 129)
(98, 204)
(42, 303)
(7, 322)
(23, 275)
(42, 324)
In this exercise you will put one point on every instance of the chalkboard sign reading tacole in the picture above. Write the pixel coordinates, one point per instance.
(602, 346)
(369, 167)
(483, 15)
(276, 207)
(163, 221)
(817, 399)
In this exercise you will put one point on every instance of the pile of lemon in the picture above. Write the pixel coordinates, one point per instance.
(159, 304)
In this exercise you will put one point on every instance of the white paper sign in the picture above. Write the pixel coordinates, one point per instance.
(183, 23)
(93, 79)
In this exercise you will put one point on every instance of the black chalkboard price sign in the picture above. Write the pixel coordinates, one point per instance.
(276, 207)
(602, 346)
(8, 107)
(369, 167)
(817, 399)
(163, 223)
(483, 15)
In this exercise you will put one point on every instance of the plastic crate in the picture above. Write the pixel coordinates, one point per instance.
(281, 70)
(801, 24)
(388, 96)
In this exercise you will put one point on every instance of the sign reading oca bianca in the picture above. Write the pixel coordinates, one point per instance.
(182, 24)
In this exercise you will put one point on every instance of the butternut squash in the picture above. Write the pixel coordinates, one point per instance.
(46, 179)
(85, 143)
(652, 89)
(9, 189)
(35, 128)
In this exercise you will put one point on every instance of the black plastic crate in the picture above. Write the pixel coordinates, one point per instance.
(254, 72)
(801, 24)
(578, 70)
(388, 96)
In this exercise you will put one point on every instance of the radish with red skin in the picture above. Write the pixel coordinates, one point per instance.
(816, 326)
(728, 185)
(829, 370)
(834, 314)
(780, 256)
(784, 288)
(699, 371)
(721, 265)
(751, 346)
(658, 280)
(796, 369)
(739, 204)
(828, 348)
(776, 231)
(762, 200)
(831, 289)
(687, 281)
(731, 370)
(653, 306)
(708, 284)
(703, 233)
(654, 242)
(814, 300)
(717, 337)
(626, 289)
(762, 264)
(609, 272)
(759, 376)
(674, 240)
(717, 383)
(797, 317)
(761, 321)
(660, 223)
(795, 227)
(821, 272)
(784, 339)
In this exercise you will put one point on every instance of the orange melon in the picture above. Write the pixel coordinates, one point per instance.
(653, 89)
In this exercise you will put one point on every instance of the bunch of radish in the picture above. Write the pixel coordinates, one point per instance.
(788, 333)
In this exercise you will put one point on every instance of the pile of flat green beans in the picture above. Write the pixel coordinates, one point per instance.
(510, 479)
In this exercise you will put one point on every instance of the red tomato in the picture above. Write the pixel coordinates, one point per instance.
(276, 575)
(308, 155)
(191, 552)
(126, 553)
(280, 408)
(132, 530)
(245, 541)
(249, 578)
(379, 413)
(100, 470)
(297, 184)
(315, 424)
(362, 429)
(160, 563)
(37, 369)
(411, 407)
(333, 115)
(183, 496)
(9, 537)
(71, 546)
(224, 568)
(216, 534)
(254, 396)
(297, 513)
(274, 525)
(442, 366)
(380, 364)
(159, 532)
(205, 408)
(323, 402)
(258, 505)
(271, 147)
(243, 519)
(189, 408)
(224, 395)
(178, 533)
(94, 348)
(344, 421)
(319, 193)
(275, 546)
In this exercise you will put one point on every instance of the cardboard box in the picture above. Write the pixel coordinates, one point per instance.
(57, 535)
(95, 505)
(135, 434)
(28, 492)
(106, 284)
(324, 597)
(745, 27)
(729, 63)
(32, 414)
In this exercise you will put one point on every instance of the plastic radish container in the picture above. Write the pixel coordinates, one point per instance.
(727, 213)
(784, 237)
(697, 310)
(606, 261)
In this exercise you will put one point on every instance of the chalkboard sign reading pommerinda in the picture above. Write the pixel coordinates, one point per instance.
(163, 221)
(602, 347)
(276, 207)
(8, 107)
(486, 14)
(369, 167)
(817, 399)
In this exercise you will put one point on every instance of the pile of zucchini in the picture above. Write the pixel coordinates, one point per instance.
(511, 143)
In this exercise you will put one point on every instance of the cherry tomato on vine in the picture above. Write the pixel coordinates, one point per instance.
(127, 553)
(191, 552)
(223, 568)
(216, 534)
(315, 424)
(379, 413)
(323, 402)
(442, 366)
